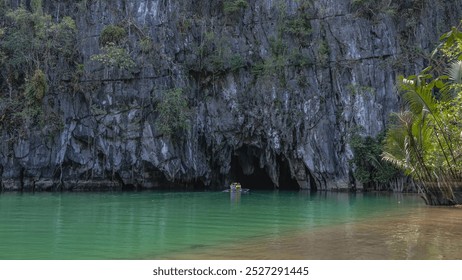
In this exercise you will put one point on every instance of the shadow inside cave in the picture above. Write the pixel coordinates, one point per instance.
(246, 170)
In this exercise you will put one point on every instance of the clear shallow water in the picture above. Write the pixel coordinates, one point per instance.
(215, 225)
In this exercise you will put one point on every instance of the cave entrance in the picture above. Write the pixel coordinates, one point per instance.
(245, 168)
(257, 180)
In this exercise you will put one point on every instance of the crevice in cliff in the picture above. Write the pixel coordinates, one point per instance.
(313, 183)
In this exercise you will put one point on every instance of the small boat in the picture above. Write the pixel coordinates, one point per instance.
(236, 187)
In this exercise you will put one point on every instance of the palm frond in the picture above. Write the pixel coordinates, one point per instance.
(394, 145)
(420, 99)
(398, 162)
(451, 83)
(454, 72)
(374, 161)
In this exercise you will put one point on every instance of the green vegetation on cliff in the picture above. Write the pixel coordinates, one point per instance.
(173, 116)
(33, 46)
(114, 53)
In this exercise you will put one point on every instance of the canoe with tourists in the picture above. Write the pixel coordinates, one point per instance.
(236, 187)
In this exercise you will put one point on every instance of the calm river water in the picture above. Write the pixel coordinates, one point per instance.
(215, 225)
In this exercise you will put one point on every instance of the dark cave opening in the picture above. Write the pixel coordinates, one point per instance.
(245, 169)
(258, 180)
(286, 181)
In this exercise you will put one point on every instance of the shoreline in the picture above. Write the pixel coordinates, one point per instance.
(414, 236)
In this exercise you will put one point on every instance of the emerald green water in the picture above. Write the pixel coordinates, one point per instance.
(159, 225)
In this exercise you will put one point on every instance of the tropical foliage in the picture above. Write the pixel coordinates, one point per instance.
(115, 56)
(33, 45)
(173, 112)
(369, 168)
(112, 34)
(34, 40)
(425, 139)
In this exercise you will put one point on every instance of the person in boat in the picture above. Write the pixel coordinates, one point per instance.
(235, 187)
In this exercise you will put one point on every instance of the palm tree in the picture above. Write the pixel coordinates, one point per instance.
(426, 139)
(419, 138)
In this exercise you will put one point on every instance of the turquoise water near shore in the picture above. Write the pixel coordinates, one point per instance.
(187, 225)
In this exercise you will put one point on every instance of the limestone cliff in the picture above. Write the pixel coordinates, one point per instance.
(274, 90)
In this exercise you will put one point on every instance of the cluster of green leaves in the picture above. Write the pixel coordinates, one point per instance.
(115, 56)
(233, 6)
(299, 26)
(369, 168)
(277, 61)
(356, 89)
(112, 34)
(36, 87)
(372, 8)
(114, 52)
(146, 45)
(173, 112)
(424, 139)
(450, 45)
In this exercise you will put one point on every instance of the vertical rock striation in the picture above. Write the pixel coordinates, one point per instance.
(274, 89)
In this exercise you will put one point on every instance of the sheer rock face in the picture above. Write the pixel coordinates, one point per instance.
(274, 89)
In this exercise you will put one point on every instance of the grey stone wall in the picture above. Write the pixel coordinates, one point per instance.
(274, 86)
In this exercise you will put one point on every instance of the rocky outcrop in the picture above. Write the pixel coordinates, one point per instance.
(274, 91)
